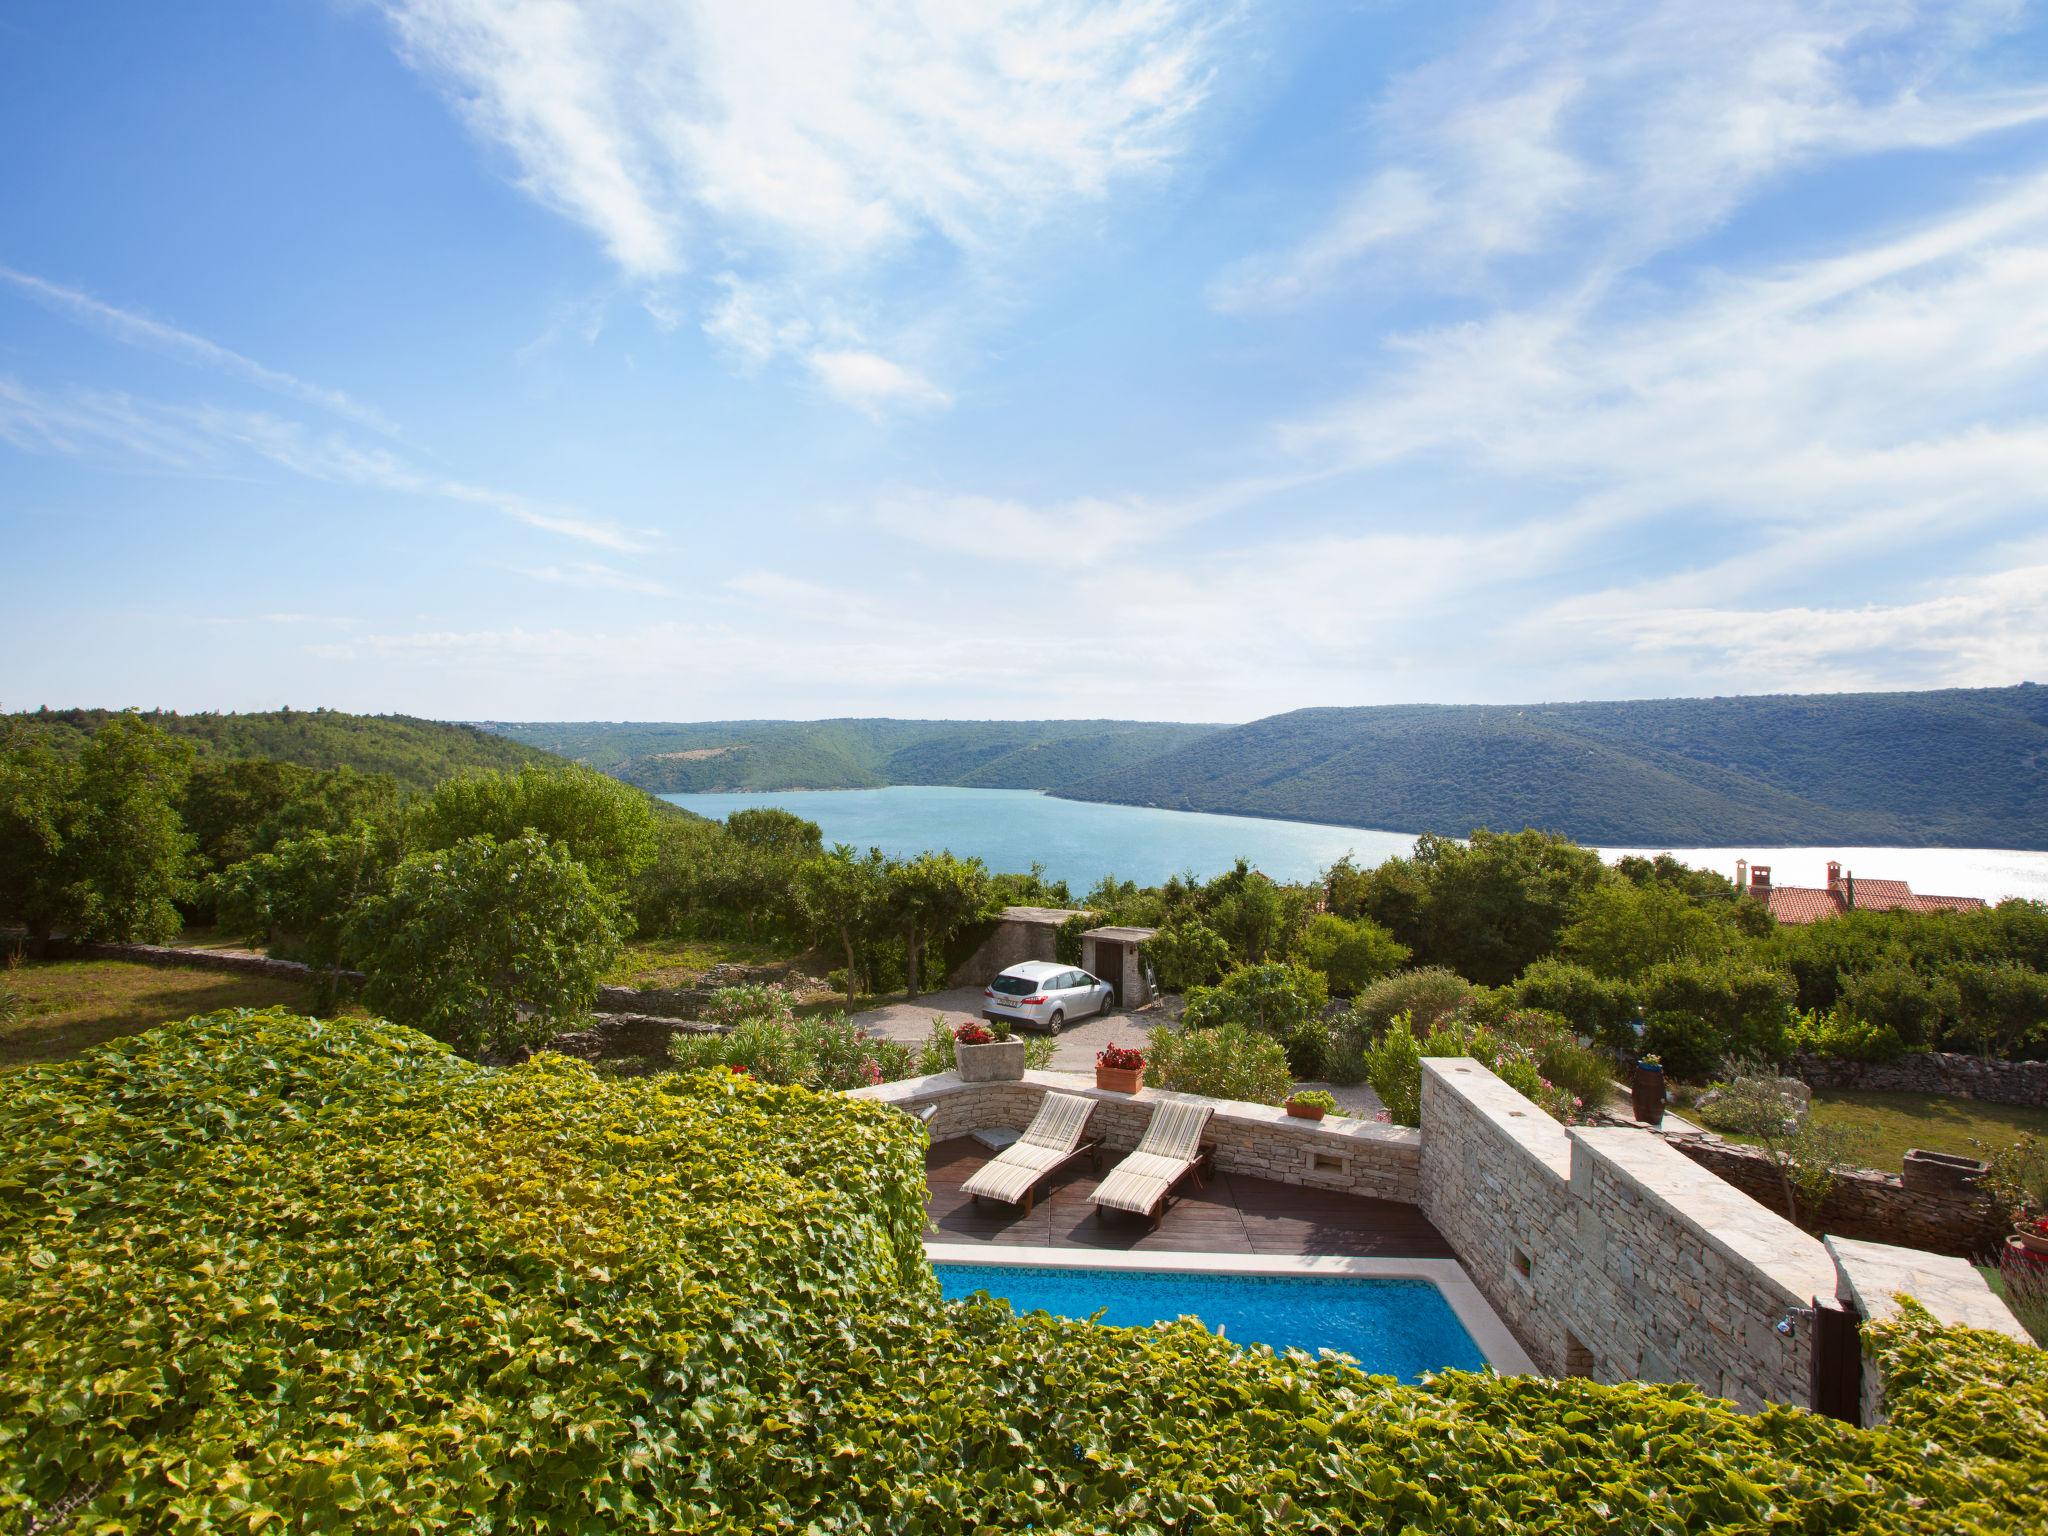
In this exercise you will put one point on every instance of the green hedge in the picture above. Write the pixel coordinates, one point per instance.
(265, 1273)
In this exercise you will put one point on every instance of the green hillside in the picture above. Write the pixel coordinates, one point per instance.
(1958, 768)
(856, 754)
(418, 753)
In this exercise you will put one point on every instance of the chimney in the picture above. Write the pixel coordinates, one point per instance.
(1834, 874)
(1759, 877)
(1741, 873)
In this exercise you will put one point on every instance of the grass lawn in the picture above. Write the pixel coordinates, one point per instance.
(678, 962)
(63, 1007)
(1885, 1125)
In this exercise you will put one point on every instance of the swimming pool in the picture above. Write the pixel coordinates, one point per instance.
(1395, 1327)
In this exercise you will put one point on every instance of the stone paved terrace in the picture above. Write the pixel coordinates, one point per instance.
(1235, 1213)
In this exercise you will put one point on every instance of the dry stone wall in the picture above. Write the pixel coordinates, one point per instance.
(1944, 1072)
(1864, 1204)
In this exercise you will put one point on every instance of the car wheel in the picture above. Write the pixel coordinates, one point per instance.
(1058, 1018)
(1108, 1002)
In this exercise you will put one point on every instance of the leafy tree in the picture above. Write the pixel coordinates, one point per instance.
(1283, 1001)
(1188, 953)
(1251, 913)
(1894, 998)
(777, 831)
(1595, 1005)
(1622, 929)
(841, 896)
(1499, 902)
(1805, 1154)
(2002, 1008)
(1352, 953)
(930, 898)
(1701, 1013)
(487, 945)
(301, 895)
(606, 826)
(1226, 1061)
(93, 844)
(225, 803)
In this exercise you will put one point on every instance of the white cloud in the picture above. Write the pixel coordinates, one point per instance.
(813, 143)
(215, 440)
(869, 382)
(141, 331)
(1618, 129)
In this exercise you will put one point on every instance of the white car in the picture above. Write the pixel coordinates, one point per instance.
(1046, 994)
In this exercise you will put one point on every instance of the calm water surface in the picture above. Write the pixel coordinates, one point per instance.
(1079, 841)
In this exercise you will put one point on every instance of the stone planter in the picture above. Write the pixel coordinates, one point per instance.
(1305, 1111)
(1646, 1094)
(1120, 1079)
(1940, 1172)
(1000, 1061)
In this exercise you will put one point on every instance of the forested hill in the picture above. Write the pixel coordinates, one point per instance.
(857, 754)
(418, 753)
(1957, 768)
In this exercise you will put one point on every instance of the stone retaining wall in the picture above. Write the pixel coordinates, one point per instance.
(1608, 1253)
(1864, 1204)
(1357, 1157)
(1944, 1072)
(246, 961)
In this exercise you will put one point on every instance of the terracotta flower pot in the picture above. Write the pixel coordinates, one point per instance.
(1305, 1111)
(2032, 1239)
(1120, 1079)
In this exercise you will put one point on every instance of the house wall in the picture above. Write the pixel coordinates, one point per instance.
(1010, 942)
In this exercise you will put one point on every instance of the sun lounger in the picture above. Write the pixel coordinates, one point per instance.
(1169, 1152)
(1054, 1140)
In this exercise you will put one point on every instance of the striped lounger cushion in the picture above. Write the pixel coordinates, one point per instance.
(1141, 1181)
(1054, 1133)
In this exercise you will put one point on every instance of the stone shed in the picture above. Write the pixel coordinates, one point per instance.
(1019, 934)
(1117, 956)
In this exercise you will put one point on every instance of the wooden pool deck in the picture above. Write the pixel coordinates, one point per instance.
(1234, 1214)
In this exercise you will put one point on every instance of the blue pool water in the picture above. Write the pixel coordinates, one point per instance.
(1394, 1327)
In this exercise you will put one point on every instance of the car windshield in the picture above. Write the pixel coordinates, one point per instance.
(1015, 986)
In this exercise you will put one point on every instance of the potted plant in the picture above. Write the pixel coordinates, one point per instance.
(986, 1054)
(2033, 1236)
(1119, 1068)
(1312, 1105)
(1646, 1090)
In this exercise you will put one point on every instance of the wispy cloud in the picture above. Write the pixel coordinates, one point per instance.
(1622, 128)
(210, 439)
(140, 331)
(811, 145)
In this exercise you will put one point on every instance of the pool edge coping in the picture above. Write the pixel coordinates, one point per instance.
(1473, 1311)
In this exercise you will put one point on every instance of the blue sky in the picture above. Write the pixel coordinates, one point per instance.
(658, 359)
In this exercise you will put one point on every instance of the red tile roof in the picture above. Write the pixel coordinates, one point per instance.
(1811, 903)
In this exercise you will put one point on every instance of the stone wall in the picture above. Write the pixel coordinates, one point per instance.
(1864, 1204)
(1609, 1254)
(1358, 1157)
(245, 961)
(1944, 1072)
(1020, 934)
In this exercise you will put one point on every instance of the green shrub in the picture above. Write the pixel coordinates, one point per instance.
(1186, 955)
(1352, 953)
(1226, 1061)
(487, 945)
(1394, 1067)
(1425, 995)
(1595, 1005)
(264, 1273)
(1891, 998)
(1736, 1010)
(1283, 1001)
(773, 1044)
(1847, 1039)
(1689, 1046)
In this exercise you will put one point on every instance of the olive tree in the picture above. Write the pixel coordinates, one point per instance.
(487, 945)
(841, 896)
(931, 898)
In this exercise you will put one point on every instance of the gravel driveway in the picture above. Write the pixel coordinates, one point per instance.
(911, 1022)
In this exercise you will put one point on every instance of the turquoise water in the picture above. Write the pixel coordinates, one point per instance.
(1393, 1327)
(1079, 842)
(1076, 840)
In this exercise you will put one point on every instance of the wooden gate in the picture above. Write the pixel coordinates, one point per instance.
(1837, 1384)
